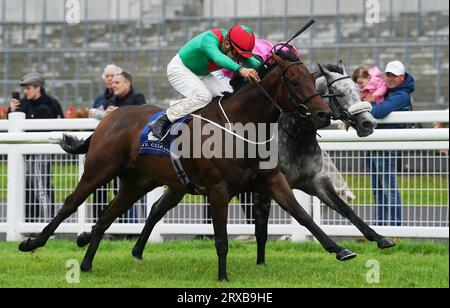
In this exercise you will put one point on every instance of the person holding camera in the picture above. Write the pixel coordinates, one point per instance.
(36, 104)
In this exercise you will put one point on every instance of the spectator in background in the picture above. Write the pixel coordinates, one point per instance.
(370, 81)
(36, 104)
(383, 164)
(123, 95)
(98, 110)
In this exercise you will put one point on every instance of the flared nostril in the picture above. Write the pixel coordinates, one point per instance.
(368, 124)
(323, 115)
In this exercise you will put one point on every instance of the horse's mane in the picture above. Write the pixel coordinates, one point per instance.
(238, 82)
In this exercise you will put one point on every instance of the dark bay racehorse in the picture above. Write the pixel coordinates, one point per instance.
(301, 161)
(113, 151)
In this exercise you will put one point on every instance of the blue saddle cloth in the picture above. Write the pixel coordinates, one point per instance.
(156, 147)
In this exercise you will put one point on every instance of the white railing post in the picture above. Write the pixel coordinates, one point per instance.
(82, 208)
(299, 233)
(16, 182)
(152, 197)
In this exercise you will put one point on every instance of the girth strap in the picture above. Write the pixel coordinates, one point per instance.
(179, 170)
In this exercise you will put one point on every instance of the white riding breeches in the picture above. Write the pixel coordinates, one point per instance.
(197, 90)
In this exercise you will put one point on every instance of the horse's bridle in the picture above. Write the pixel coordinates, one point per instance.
(300, 105)
(344, 115)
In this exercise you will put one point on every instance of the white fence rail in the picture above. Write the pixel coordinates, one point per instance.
(36, 176)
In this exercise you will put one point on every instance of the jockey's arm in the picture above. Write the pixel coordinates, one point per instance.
(211, 49)
(251, 62)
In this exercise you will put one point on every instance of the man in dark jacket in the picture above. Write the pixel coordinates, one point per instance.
(123, 95)
(36, 104)
(109, 72)
(40, 197)
(383, 164)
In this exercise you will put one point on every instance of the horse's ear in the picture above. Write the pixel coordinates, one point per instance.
(341, 65)
(324, 70)
(293, 54)
(278, 60)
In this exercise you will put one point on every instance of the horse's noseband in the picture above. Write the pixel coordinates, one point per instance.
(344, 115)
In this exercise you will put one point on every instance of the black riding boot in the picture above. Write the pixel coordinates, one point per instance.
(160, 126)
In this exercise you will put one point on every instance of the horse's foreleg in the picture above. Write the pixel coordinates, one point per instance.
(324, 190)
(278, 186)
(168, 201)
(261, 212)
(219, 199)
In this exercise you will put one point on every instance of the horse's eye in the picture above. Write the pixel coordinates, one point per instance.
(295, 83)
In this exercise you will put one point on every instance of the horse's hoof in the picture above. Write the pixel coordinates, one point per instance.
(345, 255)
(224, 279)
(86, 268)
(26, 246)
(83, 239)
(385, 243)
(137, 255)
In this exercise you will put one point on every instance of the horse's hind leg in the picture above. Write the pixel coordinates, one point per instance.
(325, 191)
(168, 201)
(87, 185)
(283, 195)
(130, 191)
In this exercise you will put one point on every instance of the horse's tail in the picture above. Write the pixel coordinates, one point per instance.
(73, 145)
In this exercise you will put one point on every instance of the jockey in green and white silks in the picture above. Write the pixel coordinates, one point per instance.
(191, 71)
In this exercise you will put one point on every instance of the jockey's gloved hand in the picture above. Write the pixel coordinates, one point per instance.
(250, 73)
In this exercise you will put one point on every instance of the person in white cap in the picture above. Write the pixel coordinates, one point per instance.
(398, 98)
(383, 164)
